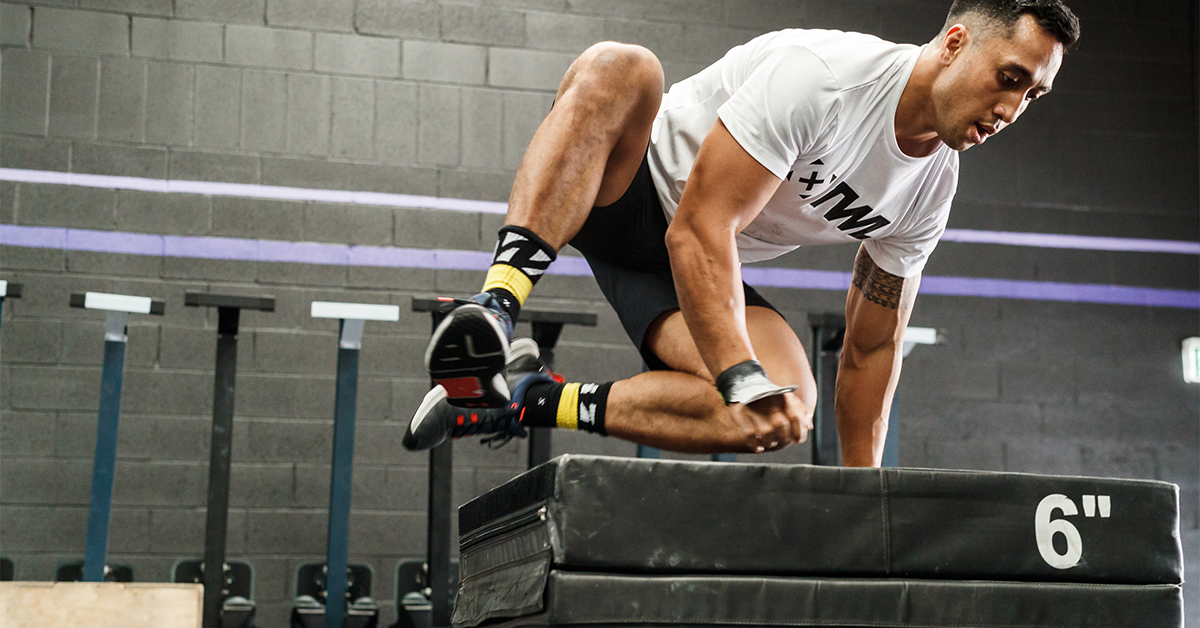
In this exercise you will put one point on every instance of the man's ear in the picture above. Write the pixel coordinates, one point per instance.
(954, 42)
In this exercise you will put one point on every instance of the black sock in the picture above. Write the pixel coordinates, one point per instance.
(569, 406)
(508, 301)
(518, 262)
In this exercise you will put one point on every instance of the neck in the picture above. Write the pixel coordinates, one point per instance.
(916, 133)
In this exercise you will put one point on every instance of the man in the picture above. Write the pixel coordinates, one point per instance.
(798, 137)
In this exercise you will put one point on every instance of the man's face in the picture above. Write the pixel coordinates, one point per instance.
(989, 79)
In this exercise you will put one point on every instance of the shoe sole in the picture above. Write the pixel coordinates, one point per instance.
(467, 352)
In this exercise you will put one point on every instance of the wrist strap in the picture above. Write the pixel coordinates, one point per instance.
(747, 382)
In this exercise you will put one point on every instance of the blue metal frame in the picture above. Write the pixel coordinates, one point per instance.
(105, 461)
(341, 480)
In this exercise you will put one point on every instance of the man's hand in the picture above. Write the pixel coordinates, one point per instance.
(773, 422)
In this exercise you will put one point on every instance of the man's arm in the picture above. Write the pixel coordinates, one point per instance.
(727, 188)
(878, 307)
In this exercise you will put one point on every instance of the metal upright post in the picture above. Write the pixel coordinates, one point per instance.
(220, 452)
(118, 308)
(352, 317)
(828, 332)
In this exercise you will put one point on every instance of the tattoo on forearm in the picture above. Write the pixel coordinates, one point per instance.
(880, 286)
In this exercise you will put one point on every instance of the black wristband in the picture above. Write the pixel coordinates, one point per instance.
(728, 380)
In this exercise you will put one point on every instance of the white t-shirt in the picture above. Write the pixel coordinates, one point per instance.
(817, 108)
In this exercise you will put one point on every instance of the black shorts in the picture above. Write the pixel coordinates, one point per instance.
(625, 244)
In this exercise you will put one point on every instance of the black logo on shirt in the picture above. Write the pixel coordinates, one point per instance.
(853, 216)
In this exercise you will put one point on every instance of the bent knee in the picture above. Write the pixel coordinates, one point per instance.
(617, 64)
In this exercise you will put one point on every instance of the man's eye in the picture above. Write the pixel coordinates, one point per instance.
(1007, 79)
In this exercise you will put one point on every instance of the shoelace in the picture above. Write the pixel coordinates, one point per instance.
(506, 426)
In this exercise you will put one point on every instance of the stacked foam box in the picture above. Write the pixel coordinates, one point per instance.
(591, 541)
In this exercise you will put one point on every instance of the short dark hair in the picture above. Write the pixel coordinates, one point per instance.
(1051, 15)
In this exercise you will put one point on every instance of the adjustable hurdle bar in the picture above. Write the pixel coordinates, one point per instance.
(220, 454)
(351, 317)
(546, 328)
(116, 329)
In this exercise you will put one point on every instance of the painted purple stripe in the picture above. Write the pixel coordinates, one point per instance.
(795, 278)
(34, 237)
(113, 242)
(1012, 238)
(340, 254)
(1062, 241)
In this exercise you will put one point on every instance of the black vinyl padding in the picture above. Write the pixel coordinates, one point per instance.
(641, 516)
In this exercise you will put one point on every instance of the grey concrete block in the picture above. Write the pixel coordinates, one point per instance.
(167, 393)
(483, 25)
(295, 352)
(666, 40)
(177, 531)
(286, 533)
(483, 130)
(1113, 459)
(333, 175)
(224, 11)
(912, 24)
(81, 31)
(24, 79)
(46, 481)
(706, 44)
(1052, 456)
(394, 355)
(188, 165)
(135, 7)
(208, 269)
(419, 279)
(55, 388)
(445, 63)
(403, 18)
(34, 154)
(312, 485)
(432, 229)
(168, 214)
(967, 379)
(706, 11)
(167, 439)
(324, 275)
(177, 40)
(336, 15)
(268, 47)
(386, 533)
(438, 134)
(965, 455)
(159, 484)
(32, 341)
(75, 434)
(35, 528)
(1050, 382)
(523, 114)
(122, 111)
(192, 349)
(374, 399)
(73, 96)
(27, 433)
(396, 110)
(264, 111)
(15, 24)
(288, 441)
(169, 104)
(562, 32)
(474, 185)
(353, 117)
(122, 161)
(356, 54)
(355, 224)
(676, 71)
(286, 397)
(308, 114)
(257, 218)
(262, 485)
(127, 265)
(218, 105)
(8, 202)
(592, 363)
(527, 69)
(66, 206)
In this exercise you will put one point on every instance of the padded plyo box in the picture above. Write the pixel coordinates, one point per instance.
(587, 600)
(657, 517)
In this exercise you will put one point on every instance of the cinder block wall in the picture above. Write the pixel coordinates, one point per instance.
(440, 99)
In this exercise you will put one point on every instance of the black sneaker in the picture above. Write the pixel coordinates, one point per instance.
(436, 419)
(469, 350)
